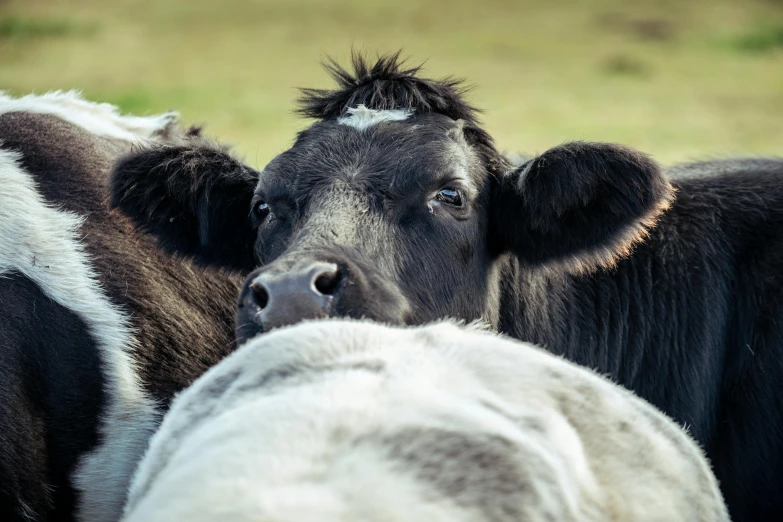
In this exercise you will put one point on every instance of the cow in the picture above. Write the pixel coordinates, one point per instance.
(338, 420)
(395, 205)
(98, 331)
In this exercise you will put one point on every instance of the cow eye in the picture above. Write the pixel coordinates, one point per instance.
(449, 196)
(261, 210)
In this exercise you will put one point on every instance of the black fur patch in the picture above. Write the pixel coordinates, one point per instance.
(580, 203)
(193, 197)
(51, 394)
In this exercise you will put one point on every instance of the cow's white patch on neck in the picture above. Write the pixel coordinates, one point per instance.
(361, 117)
(43, 243)
(101, 119)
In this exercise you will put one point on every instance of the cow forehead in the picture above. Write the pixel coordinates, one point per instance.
(407, 150)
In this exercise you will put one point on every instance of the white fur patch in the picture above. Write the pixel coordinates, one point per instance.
(348, 421)
(361, 117)
(43, 244)
(101, 119)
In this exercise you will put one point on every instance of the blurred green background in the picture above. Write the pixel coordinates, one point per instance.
(682, 80)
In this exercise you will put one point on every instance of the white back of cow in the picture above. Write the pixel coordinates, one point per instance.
(352, 421)
(101, 119)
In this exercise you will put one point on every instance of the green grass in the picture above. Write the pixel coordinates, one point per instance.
(34, 28)
(764, 38)
(680, 79)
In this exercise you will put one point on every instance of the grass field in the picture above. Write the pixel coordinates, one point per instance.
(682, 80)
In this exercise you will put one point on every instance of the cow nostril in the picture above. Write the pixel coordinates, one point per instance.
(327, 282)
(260, 295)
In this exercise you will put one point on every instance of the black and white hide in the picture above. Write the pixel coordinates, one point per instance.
(98, 330)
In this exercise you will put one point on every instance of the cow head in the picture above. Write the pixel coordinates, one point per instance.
(394, 205)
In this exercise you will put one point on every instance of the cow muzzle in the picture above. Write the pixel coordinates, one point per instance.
(271, 299)
(287, 292)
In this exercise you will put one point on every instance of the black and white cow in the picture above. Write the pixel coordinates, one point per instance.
(345, 421)
(97, 329)
(396, 206)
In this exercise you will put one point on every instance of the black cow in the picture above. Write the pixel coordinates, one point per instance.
(97, 329)
(395, 205)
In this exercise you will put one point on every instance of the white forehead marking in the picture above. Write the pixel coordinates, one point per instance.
(361, 117)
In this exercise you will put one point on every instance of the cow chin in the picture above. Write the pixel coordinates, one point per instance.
(289, 292)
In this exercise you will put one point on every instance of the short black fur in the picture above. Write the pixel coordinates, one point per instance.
(50, 401)
(594, 199)
(187, 196)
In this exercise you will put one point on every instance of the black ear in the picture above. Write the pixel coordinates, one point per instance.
(193, 197)
(579, 205)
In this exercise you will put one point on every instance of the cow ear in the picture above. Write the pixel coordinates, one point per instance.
(579, 206)
(193, 197)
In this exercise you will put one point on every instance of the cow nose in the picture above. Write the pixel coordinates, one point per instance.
(312, 285)
(275, 299)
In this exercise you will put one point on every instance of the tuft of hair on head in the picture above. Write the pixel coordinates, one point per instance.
(390, 84)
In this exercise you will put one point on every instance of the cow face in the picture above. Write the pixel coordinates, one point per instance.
(382, 220)
(395, 207)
